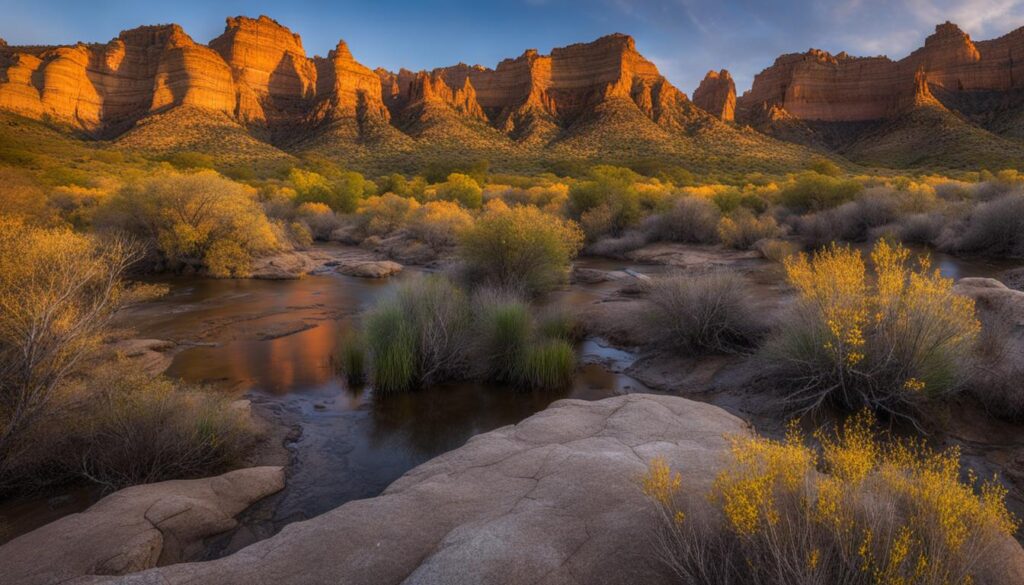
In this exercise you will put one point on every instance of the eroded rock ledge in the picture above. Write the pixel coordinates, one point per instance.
(135, 528)
(554, 499)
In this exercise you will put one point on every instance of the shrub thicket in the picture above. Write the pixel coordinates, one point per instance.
(187, 218)
(865, 511)
(887, 344)
(141, 429)
(519, 248)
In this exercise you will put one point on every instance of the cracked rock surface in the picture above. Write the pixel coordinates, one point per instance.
(554, 499)
(135, 528)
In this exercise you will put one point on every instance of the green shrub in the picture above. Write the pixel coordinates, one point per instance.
(742, 229)
(191, 160)
(341, 193)
(610, 192)
(813, 191)
(461, 189)
(519, 247)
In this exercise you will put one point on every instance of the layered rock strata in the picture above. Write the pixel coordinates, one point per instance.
(819, 86)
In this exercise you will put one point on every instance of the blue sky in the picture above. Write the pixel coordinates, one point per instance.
(684, 37)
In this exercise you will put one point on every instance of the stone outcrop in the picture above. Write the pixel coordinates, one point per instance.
(554, 499)
(136, 528)
(819, 86)
(717, 95)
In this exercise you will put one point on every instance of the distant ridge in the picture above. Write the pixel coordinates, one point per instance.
(253, 93)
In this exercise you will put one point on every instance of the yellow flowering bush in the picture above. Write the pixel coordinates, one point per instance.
(861, 510)
(885, 342)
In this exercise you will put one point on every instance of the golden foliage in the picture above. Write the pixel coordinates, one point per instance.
(863, 511)
(885, 342)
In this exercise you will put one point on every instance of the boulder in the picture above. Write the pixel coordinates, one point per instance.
(554, 499)
(136, 528)
(1000, 305)
(373, 269)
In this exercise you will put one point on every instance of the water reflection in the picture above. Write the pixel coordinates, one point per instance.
(353, 443)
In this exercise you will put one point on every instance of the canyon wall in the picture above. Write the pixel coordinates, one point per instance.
(819, 86)
(257, 72)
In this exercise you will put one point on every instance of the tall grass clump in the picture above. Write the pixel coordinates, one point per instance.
(419, 336)
(547, 363)
(351, 359)
(862, 511)
(886, 343)
(431, 332)
(709, 313)
(515, 348)
(503, 330)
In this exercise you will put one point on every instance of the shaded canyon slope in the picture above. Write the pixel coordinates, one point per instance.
(255, 93)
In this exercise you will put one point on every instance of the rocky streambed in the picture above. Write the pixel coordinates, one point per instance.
(272, 343)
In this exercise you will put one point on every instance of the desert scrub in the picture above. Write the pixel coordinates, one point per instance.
(519, 247)
(862, 510)
(742, 229)
(708, 313)
(59, 291)
(141, 429)
(887, 344)
(196, 220)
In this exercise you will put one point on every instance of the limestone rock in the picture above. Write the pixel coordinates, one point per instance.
(553, 499)
(136, 528)
(717, 95)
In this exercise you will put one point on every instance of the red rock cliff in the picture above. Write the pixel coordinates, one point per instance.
(717, 95)
(838, 88)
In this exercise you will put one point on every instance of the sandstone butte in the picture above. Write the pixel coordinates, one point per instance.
(717, 95)
(819, 86)
(258, 73)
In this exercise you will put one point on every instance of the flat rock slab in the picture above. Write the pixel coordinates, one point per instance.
(375, 269)
(552, 500)
(298, 263)
(691, 256)
(135, 528)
